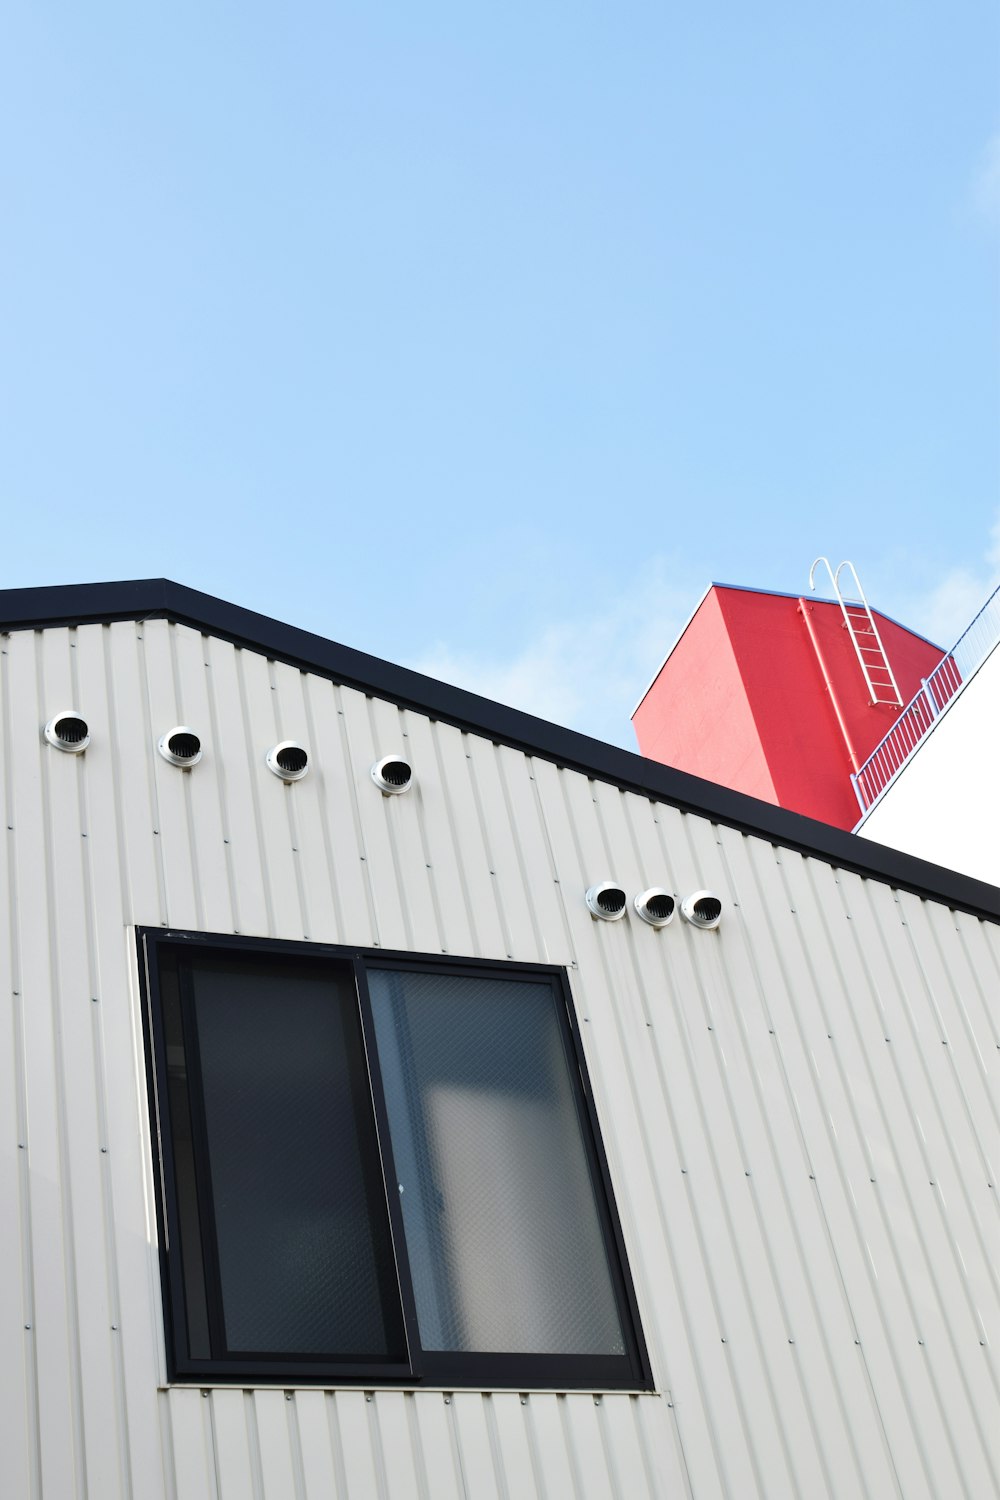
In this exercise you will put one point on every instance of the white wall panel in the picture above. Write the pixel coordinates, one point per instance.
(799, 1110)
(944, 803)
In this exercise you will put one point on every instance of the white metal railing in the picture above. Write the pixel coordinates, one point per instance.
(936, 692)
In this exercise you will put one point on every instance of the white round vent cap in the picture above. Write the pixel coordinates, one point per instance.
(392, 774)
(68, 731)
(607, 901)
(702, 909)
(288, 759)
(655, 906)
(180, 746)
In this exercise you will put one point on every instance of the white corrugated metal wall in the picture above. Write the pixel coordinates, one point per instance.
(800, 1109)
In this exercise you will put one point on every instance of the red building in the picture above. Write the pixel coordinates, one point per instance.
(766, 693)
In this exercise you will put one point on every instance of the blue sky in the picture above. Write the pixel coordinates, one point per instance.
(483, 337)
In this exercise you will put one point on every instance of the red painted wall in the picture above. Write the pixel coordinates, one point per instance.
(743, 700)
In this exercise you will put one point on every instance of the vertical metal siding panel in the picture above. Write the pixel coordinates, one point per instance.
(313, 849)
(473, 864)
(201, 785)
(238, 759)
(775, 1174)
(714, 1332)
(305, 809)
(403, 826)
(392, 919)
(442, 1465)
(965, 1003)
(932, 1263)
(642, 1467)
(233, 1468)
(354, 1427)
(125, 675)
(861, 1235)
(275, 1454)
(92, 1324)
(947, 1129)
(18, 1413)
(641, 1126)
(349, 919)
(762, 1349)
(518, 778)
(523, 939)
(581, 1416)
(133, 1271)
(52, 1332)
(266, 725)
(792, 1029)
(188, 1421)
(507, 1417)
(556, 1470)
(716, 1161)
(797, 1238)
(401, 1463)
(313, 1411)
(173, 828)
(468, 1423)
(897, 1167)
(442, 843)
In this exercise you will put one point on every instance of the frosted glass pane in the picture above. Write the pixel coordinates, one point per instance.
(300, 1218)
(502, 1229)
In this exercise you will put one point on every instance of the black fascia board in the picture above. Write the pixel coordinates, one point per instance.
(159, 598)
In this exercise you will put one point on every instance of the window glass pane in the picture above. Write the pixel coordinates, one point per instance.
(505, 1243)
(185, 1174)
(301, 1227)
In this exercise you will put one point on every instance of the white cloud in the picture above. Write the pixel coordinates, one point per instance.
(950, 606)
(986, 189)
(587, 671)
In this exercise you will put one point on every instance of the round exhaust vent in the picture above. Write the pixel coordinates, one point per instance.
(288, 760)
(606, 901)
(655, 906)
(180, 746)
(703, 909)
(392, 775)
(68, 731)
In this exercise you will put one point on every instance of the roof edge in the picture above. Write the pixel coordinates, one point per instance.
(151, 598)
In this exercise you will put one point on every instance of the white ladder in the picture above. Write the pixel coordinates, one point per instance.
(860, 624)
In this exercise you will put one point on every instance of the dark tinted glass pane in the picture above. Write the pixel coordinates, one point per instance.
(301, 1228)
(502, 1227)
(185, 1173)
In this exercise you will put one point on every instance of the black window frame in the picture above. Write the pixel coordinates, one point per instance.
(444, 1369)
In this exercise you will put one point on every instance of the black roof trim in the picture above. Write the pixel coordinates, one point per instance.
(159, 598)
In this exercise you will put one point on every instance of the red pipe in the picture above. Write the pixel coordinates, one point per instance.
(804, 611)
